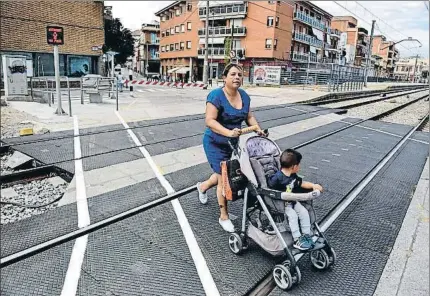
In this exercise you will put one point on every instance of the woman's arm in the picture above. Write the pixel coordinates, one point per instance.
(214, 125)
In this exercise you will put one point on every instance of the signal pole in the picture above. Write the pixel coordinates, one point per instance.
(369, 52)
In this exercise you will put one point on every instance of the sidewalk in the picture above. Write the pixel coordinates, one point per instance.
(407, 269)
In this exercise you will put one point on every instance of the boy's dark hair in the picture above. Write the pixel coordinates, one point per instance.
(229, 66)
(289, 158)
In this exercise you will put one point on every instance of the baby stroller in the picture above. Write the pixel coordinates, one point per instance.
(263, 218)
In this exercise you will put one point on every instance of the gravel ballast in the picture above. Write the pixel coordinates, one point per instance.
(36, 192)
(410, 115)
(373, 109)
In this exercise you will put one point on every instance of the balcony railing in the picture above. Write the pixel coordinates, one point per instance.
(309, 20)
(312, 58)
(224, 11)
(363, 31)
(223, 31)
(333, 32)
(308, 39)
(221, 52)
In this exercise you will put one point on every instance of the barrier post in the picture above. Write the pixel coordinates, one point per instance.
(82, 91)
(70, 99)
(117, 81)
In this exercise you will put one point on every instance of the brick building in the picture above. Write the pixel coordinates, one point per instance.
(355, 40)
(387, 52)
(23, 31)
(256, 31)
(149, 49)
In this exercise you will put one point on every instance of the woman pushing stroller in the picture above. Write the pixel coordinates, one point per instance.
(226, 108)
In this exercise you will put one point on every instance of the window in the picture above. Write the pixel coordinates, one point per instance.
(271, 2)
(268, 43)
(172, 31)
(182, 45)
(277, 21)
(167, 33)
(182, 28)
(189, 44)
(189, 26)
(163, 18)
(167, 48)
(178, 11)
(270, 21)
(275, 43)
(177, 28)
(162, 49)
(172, 47)
(176, 46)
(162, 34)
(171, 15)
(189, 7)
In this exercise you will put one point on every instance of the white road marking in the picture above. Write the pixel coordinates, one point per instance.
(345, 149)
(312, 167)
(325, 160)
(202, 268)
(335, 154)
(74, 270)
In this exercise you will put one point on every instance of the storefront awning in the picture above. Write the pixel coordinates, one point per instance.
(183, 70)
(173, 70)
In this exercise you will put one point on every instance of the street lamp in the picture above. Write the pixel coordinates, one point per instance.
(408, 39)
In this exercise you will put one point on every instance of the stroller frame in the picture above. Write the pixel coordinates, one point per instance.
(287, 273)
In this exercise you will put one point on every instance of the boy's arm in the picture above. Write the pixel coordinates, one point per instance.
(312, 186)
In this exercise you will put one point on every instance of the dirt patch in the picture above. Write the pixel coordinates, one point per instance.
(13, 120)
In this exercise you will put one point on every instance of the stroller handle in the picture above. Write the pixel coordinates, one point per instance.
(249, 129)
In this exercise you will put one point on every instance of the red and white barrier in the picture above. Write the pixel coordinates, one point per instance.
(159, 83)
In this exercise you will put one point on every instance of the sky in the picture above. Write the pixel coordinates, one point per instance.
(396, 20)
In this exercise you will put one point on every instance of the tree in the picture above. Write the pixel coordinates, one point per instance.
(119, 39)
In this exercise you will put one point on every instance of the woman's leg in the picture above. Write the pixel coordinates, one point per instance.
(209, 183)
(221, 200)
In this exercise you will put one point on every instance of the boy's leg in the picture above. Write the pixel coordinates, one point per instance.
(293, 221)
(303, 214)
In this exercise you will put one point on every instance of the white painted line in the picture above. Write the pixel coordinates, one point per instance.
(151, 90)
(352, 145)
(359, 141)
(345, 149)
(365, 137)
(335, 154)
(74, 270)
(325, 160)
(312, 167)
(196, 253)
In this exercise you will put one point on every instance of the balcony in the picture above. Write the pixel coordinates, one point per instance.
(224, 12)
(308, 39)
(220, 53)
(362, 31)
(223, 32)
(333, 32)
(303, 57)
(300, 16)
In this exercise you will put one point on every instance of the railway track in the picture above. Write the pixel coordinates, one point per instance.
(124, 215)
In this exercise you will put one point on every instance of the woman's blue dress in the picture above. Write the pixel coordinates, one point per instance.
(215, 145)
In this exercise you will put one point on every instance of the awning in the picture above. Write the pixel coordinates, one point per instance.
(313, 49)
(319, 34)
(183, 70)
(173, 70)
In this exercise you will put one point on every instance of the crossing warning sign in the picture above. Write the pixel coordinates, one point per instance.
(54, 35)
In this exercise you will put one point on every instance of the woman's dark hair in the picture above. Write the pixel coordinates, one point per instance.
(229, 66)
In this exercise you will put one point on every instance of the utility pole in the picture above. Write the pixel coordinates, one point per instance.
(415, 68)
(369, 53)
(205, 62)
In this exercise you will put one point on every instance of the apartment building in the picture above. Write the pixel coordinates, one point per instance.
(132, 61)
(411, 69)
(354, 40)
(149, 49)
(231, 25)
(388, 52)
(313, 39)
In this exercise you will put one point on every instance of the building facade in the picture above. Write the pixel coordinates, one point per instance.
(23, 32)
(412, 69)
(389, 54)
(354, 40)
(149, 49)
(313, 39)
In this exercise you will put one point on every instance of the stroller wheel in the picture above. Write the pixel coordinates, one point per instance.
(320, 259)
(282, 277)
(235, 243)
(332, 256)
(297, 276)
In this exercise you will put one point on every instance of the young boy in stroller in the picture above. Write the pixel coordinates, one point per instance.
(256, 161)
(286, 179)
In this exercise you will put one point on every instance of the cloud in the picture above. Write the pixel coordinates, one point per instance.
(402, 19)
(134, 13)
